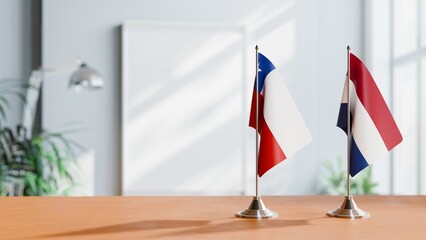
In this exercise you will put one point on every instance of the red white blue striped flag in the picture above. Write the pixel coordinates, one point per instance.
(281, 127)
(374, 131)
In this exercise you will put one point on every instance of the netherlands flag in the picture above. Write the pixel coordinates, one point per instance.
(281, 127)
(374, 131)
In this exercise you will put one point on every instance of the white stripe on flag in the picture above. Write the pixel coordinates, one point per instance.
(282, 116)
(345, 91)
(364, 132)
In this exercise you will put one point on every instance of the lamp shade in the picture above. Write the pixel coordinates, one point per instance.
(86, 77)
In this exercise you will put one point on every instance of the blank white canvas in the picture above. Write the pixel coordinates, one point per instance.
(182, 109)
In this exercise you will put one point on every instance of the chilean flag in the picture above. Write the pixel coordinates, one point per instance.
(374, 131)
(281, 127)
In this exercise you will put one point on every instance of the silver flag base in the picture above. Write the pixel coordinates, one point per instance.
(257, 209)
(348, 209)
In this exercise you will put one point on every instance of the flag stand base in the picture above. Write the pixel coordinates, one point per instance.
(257, 209)
(348, 209)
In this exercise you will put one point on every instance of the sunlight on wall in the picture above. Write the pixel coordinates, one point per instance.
(203, 53)
(267, 13)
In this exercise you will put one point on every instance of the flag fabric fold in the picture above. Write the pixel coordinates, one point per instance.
(374, 131)
(282, 129)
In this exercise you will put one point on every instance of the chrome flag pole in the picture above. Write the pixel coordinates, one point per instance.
(257, 120)
(257, 208)
(348, 209)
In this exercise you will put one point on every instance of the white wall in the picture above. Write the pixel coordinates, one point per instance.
(311, 58)
(15, 48)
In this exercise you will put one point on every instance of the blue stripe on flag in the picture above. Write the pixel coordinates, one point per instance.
(358, 161)
(264, 68)
(342, 120)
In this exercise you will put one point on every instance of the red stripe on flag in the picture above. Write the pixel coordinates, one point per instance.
(270, 152)
(370, 96)
(252, 121)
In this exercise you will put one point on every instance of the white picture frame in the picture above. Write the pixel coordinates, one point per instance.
(206, 61)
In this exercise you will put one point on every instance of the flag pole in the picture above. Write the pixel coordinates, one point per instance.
(257, 208)
(257, 121)
(349, 129)
(348, 209)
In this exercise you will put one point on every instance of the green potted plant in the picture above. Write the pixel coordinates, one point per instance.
(333, 180)
(41, 164)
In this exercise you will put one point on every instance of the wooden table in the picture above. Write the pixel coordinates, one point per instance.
(301, 217)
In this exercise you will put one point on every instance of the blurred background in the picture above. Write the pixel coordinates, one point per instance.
(171, 114)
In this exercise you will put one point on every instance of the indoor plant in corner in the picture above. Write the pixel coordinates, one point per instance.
(333, 180)
(41, 164)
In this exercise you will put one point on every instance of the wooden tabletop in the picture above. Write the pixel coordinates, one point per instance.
(301, 217)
